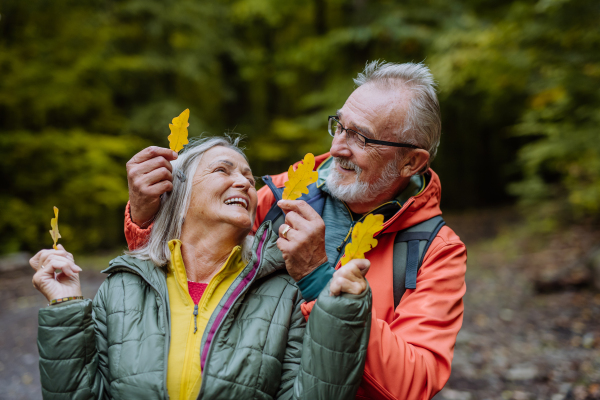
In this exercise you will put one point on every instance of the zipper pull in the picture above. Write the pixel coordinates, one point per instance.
(195, 318)
(347, 236)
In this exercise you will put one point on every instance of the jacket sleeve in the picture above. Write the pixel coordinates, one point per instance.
(73, 351)
(420, 340)
(136, 237)
(334, 347)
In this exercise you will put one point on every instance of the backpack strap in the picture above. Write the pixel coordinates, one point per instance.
(410, 247)
(314, 198)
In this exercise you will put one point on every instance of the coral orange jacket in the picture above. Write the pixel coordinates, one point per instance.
(411, 347)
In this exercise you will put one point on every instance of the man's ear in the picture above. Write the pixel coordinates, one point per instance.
(414, 162)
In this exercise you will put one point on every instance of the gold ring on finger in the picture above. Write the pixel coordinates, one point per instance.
(285, 231)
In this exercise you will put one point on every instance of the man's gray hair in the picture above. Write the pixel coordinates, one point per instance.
(423, 123)
(174, 205)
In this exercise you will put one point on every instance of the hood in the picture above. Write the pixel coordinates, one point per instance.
(419, 208)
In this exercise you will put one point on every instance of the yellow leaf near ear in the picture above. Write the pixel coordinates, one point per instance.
(362, 237)
(298, 180)
(54, 231)
(179, 133)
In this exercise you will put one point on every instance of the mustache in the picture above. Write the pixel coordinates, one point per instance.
(347, 164)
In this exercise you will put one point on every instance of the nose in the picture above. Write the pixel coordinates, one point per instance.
(339, 146)
(241, 182)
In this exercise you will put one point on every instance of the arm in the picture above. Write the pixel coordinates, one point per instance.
(70, 336)
(70, 343)
(327, 360)
(335, 346)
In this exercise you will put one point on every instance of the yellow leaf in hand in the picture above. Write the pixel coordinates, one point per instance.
(179, 133)
(54, 231)
(362, 237)
(299, 179)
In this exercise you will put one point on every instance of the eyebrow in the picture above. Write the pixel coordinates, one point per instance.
(361, 129)
(221, 161)
(229, 163)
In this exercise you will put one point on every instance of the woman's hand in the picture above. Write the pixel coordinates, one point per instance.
(56, 285)
(350, 278)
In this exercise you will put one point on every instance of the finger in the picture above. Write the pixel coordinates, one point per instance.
(61, 263)
(335, 287)
(46, 255)
(299, 206)
(362, 264)
(159, 188)
(282, 230)
(35, 260)
(66, 253)
(349, 272)
(152, 152)
(156, 176)
(284, 246)
(343, 285)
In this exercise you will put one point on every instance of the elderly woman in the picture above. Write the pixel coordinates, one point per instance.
(202, 310)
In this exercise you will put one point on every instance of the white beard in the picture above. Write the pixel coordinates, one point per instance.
(357, 191)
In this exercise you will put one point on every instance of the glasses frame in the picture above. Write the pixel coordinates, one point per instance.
(366, 139)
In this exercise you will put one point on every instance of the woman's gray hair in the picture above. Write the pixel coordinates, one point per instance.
(423, 123)
(174, 205)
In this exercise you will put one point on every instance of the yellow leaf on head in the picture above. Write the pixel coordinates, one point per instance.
(54, 231)
(179, 133)
(362, 237)
(298, 180)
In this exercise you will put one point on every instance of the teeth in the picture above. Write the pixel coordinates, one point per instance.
(237, 201)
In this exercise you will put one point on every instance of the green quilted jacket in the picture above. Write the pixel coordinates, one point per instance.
(256, 345)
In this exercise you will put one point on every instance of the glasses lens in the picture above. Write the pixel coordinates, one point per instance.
(355, 139)
(334, 126)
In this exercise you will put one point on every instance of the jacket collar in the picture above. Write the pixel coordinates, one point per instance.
(415, 204)
(270, 255)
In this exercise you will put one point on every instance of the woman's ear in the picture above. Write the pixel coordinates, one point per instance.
(415, 162)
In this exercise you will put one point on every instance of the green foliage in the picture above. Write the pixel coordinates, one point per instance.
(86, 84)
(79, 172)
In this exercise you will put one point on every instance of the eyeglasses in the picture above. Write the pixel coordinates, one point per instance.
(335, 127)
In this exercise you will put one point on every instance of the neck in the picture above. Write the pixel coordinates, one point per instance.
(390, 194)
(206, 248)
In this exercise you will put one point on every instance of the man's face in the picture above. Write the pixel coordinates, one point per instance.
(376, 113)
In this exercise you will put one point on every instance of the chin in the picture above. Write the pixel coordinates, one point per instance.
(353, 192)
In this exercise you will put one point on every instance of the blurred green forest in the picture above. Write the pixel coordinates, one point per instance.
(86, 84)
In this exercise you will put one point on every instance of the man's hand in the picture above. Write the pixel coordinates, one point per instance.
(303, 244)
(350, 278)
(149, 175)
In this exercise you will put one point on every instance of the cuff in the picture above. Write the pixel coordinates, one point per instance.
(312, 284)
(136, 236)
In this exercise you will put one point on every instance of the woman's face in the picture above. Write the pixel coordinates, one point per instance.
(223, 190)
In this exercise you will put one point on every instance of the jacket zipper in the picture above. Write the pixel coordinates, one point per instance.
(383, 229)
(207, 329)
(339, 249)
(166, 315)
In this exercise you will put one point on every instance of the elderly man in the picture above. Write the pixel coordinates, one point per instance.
(384, 138)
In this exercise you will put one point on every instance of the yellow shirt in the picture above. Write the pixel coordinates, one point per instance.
(183, 369)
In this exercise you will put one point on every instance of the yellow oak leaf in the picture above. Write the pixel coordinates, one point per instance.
(54, 231)
(179, 133)
(362, 237)
(298, 180)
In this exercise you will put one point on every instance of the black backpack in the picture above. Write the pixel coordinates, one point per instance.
(410, 245)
